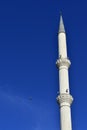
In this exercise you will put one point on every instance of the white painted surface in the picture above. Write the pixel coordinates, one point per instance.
(62, 45)
(65, 118)
(63, 80)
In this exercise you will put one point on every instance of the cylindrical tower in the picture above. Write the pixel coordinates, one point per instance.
(63, 63)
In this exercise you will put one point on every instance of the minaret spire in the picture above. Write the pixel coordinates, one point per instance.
(63, 63)
(61, 25)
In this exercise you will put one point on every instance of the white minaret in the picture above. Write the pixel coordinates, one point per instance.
(63, 63)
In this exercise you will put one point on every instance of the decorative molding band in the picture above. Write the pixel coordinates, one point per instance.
(61, 62)
(67, 98)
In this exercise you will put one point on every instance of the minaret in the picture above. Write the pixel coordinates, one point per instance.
(63, 63)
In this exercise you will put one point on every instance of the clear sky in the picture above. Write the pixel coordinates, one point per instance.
(28, 52)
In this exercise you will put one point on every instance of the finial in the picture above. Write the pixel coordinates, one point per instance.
(61, 24)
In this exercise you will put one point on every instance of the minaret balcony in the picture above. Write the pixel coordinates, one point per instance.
(63, 62)
(65, 99)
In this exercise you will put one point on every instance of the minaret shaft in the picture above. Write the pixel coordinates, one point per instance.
(63, 80)
(62, 45)
(63, 63)
(65, 118)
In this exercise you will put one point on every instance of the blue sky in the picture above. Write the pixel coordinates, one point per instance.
(28, 52)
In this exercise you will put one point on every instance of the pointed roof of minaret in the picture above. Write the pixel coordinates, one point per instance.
(61, 25)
